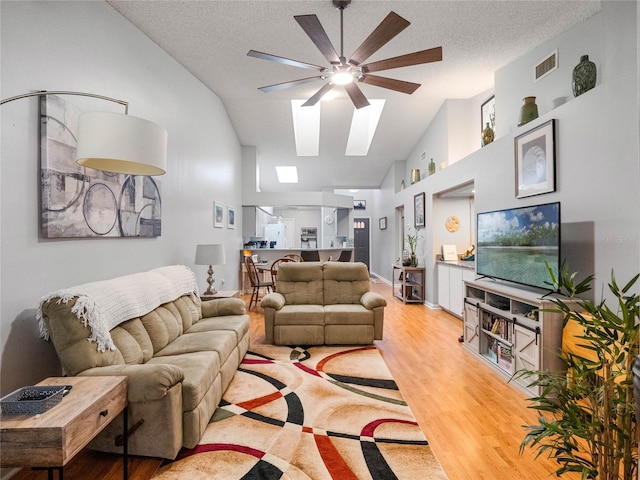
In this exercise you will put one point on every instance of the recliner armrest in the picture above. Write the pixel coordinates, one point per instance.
(145, 382)
(223, 306)
(371, 300)
(273, 300)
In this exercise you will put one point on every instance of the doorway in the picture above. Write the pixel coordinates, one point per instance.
(361, 240)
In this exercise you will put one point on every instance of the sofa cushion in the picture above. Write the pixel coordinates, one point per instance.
(300, 315)
(345, 282)
(348, 314)
(301, 283)
(234, 323)
(221, 341)
(200, 370)
(163, 325)
(133, 341)
(189, 312)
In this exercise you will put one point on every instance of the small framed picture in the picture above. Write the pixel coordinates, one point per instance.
(218, 215)
(359, 204)
(488, 114)
(382, 223)
(231, 217)
(418, 209)
(536, 161)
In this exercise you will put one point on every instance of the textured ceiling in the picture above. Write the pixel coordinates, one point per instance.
(211, 40)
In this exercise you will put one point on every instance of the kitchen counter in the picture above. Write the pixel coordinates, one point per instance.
(271, 254)
(459, 263)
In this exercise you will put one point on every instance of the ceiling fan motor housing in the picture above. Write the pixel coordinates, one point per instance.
(341, 4)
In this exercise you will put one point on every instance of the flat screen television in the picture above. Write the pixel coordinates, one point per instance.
(515, 244)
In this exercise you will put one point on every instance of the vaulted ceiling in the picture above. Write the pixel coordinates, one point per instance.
(211, 40)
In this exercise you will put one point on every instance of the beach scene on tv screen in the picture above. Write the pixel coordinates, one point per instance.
(516, 244)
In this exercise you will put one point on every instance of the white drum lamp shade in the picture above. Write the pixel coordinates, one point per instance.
(121, 143)
(210, 255)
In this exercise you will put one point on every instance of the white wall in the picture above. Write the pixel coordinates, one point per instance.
(598, 161)
(383, 241)
(89, 47)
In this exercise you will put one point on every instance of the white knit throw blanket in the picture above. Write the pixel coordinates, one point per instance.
(106, 304)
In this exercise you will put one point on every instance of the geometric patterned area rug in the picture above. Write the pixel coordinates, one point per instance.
(313, 413)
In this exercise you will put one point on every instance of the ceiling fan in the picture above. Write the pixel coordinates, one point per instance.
(348, 72)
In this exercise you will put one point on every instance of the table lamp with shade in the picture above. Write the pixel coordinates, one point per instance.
(210, 255)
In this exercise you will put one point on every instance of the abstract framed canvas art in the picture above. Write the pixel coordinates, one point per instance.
(79, 202)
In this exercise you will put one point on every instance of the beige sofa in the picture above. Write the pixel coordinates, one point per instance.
(323, 303)
(179, 357)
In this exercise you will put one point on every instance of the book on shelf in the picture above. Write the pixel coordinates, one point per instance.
(505, 358)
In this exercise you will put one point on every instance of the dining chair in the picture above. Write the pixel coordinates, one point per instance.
(295, 257)
(310, 255)
(274, 270)
(345, 256)
(256, 282)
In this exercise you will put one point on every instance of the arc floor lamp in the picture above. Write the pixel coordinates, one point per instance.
(113, 142)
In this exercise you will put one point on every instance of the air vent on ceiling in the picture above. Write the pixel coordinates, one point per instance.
(546, 66)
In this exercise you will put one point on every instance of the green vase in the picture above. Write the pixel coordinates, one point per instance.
(584, 76)
(432, 167)
(528, 111)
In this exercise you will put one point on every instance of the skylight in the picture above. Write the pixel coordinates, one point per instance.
(363, 127)
(287, 174)
(306, 128)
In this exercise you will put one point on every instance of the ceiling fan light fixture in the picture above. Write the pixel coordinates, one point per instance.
(342, 78)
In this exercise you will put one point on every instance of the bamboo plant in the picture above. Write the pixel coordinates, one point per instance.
(587, 419)
(412, 240)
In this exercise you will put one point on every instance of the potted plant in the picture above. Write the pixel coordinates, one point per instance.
(587, 419)
(412, 240)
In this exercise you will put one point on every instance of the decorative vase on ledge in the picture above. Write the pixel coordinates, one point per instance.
(487, 135)
(584, 76)
(528, 111)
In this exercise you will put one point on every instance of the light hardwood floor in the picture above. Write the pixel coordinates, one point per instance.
(472, 418)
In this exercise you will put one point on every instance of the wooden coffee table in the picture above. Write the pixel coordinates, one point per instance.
(51, 439)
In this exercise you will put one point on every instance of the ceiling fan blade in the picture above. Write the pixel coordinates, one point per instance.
(356, 95)
(408, 60)
(391, 26)
(286, 61)
(280, 86)
(390, 83)
(318, 95)
(312, 26)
